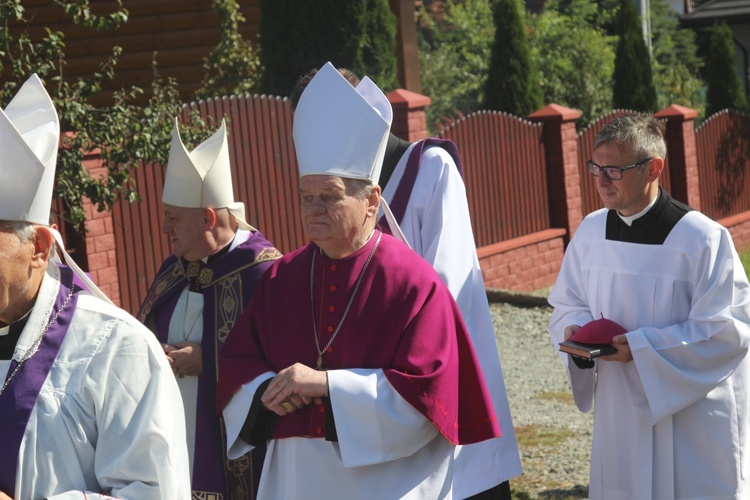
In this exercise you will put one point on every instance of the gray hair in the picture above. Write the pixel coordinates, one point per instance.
(361, 187)
(24, 230)
(640, 132)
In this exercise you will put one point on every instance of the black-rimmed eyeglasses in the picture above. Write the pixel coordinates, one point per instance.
(613, 173)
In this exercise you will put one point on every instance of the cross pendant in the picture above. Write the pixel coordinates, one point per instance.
(319, 365)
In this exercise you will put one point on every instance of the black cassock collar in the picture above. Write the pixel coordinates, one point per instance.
(652, 228)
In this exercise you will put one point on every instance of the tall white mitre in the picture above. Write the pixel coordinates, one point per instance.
(341, 130)
(202, 178)
(29, 135)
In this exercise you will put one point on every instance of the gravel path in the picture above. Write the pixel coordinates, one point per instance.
(554, 437)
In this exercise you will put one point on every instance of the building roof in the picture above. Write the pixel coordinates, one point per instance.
(729, 11)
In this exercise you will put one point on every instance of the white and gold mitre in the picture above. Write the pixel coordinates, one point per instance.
(341, 130)
(202, 178)
(29, 136)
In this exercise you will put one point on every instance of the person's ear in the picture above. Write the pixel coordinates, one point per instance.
(43, 242)
(373, 201)
(655, 169)
(208, 218)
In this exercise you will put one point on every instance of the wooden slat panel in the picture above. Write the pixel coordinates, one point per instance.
(44, 12)
(723, 150)
(506, 175)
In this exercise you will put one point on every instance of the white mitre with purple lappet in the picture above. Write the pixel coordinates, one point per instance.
(202, 178)
(29, 137)
(339, 129)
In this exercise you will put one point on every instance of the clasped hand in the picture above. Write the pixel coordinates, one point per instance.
(295, 387)
(185, 358)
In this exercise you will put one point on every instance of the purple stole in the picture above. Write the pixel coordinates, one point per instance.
(406, 184)
(227, 287)
(20, 397)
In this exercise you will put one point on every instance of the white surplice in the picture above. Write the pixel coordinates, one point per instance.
(186, 325)
(674, 422)
(437, 226)
(109, 416)
(385, 448)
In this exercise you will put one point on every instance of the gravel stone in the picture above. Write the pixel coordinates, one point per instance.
(541, 403)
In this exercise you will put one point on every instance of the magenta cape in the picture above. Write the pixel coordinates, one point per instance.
(402, 320)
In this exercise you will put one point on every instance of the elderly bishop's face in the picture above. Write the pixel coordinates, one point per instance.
(16, 258)
(335, 217)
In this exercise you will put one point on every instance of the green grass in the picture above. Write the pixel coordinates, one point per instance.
(563, 396)
(538, 435)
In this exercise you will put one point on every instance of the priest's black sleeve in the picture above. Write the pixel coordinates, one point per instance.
(260, 421)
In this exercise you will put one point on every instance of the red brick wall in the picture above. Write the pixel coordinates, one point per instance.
(101, 250)
(523, 264)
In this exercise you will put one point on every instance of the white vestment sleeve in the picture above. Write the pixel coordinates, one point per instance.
(374, 423)
(568, 298)
(235, 414)
(680, 364)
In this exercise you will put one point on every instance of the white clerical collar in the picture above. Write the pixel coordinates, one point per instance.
(629, 219)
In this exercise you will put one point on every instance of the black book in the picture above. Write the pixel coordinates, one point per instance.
(587, 351)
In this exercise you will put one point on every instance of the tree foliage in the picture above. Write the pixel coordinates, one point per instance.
(676, 63)
(633, 78)
(233, 67)
(512, 82)
(454, 50)
(575, 57)
(126, 134)
(724, 84)
(298, 35)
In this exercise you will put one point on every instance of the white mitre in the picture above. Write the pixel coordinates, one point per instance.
(29, 135)
(202, 178)
(341, 130)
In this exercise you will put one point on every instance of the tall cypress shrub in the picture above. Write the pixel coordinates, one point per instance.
(512, 81)
(633, 86)
(298, 35)
(377, 55)
(724, 84)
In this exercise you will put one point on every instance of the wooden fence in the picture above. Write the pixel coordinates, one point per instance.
(723, 151)
(505, 174)
(520, 176)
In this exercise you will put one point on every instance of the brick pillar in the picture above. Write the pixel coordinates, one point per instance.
(563, 178)
(682, 154)
(409, 120)
(101, 250)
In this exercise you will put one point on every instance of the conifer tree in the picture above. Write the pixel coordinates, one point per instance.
(299, 35)
(512, 81)
(633, 77)
(724, 84)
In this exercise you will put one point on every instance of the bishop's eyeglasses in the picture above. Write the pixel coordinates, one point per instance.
(610, 172)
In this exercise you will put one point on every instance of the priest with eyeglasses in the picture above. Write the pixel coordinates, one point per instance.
(671, 404)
